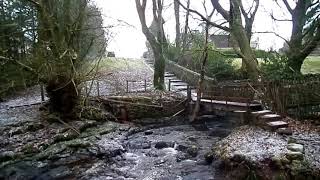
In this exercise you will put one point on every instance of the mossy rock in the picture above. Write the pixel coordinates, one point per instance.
(35, 127)
(30, 149)
(7, 156)
(66, 136)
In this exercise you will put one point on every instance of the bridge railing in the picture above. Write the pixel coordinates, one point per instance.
(298, 98)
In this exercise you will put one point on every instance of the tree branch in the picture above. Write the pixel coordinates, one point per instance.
(276, 34)
(205, 19)
(276, 19)
(220, 9)
(288, 6)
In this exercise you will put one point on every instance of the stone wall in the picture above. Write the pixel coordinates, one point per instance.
(188, 75)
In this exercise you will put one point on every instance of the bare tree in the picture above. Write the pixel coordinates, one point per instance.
(204, 58)
(239, 32)
(177, 17)
(157, 41)
(186, 26)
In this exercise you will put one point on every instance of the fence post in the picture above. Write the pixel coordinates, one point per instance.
(169, 88)
(145, 85)
(188, 94)
(127, 86)
(42, 92)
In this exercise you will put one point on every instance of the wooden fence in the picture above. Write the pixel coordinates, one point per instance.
(297, 98)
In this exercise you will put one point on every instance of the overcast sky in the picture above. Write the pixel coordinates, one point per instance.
(129, 40)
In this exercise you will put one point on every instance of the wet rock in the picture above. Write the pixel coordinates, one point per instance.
(192, 139)
(87, 124)
(139, 144)
(284, 131)
(291, 155)
(16, 131)
(30, 149)
(110, 148)
(181, 157)
(182, 148)
(61, 172)
(285, 160)
(6, 156)
(66, 136)
(297, 168)
(209, 157)
(35, 127)
(220, 133)
(78, 143)
(238, 157)
(163, 144)
(295, 147)
(292, 140)
(148, 132)
(193, 151)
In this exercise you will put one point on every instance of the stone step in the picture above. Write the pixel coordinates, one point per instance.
(260, 113)
(175, 80)
(269, 117)
(171, 78)
(179, 84)
(284, 131)
(274, 125)
(168, 74)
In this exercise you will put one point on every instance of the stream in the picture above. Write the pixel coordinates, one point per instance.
(174, 152)
(113, 151)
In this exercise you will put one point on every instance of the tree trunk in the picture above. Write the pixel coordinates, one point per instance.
(202, 73)
(240, 35)
(305, 34)
(159, 68)
(63, 96)
(177, 17)
(186, 26)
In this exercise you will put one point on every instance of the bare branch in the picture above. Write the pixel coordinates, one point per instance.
(220, 9)
(271, 32)
(288, 6)
(205, 19)
(276, 19)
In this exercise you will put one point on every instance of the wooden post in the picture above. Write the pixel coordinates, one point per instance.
(169, 86)
(127, 88)
(42, 92)
(98, 88)
(189, 98)
(145, 85)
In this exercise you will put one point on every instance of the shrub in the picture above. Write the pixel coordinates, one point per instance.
(275, 67)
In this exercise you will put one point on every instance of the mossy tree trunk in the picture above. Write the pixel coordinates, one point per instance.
(305, 35)
(59, 25)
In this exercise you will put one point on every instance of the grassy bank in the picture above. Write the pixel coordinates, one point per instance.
(310, 66)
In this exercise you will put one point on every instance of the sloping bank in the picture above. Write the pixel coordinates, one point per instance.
(253, 153)
(188, 75)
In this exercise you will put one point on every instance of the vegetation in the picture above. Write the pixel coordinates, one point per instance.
(305, 35)
(58, 39)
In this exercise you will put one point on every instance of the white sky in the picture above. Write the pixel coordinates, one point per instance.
(129, 41)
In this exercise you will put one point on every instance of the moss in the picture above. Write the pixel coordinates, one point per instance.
(30, 149)
(70, 134)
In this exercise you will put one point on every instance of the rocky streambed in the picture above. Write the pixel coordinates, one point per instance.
(167, 148)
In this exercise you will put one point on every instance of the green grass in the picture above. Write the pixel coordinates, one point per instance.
(311, 65)
(113, 64)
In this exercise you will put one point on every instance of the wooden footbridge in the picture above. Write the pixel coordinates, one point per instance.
(235, 98)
